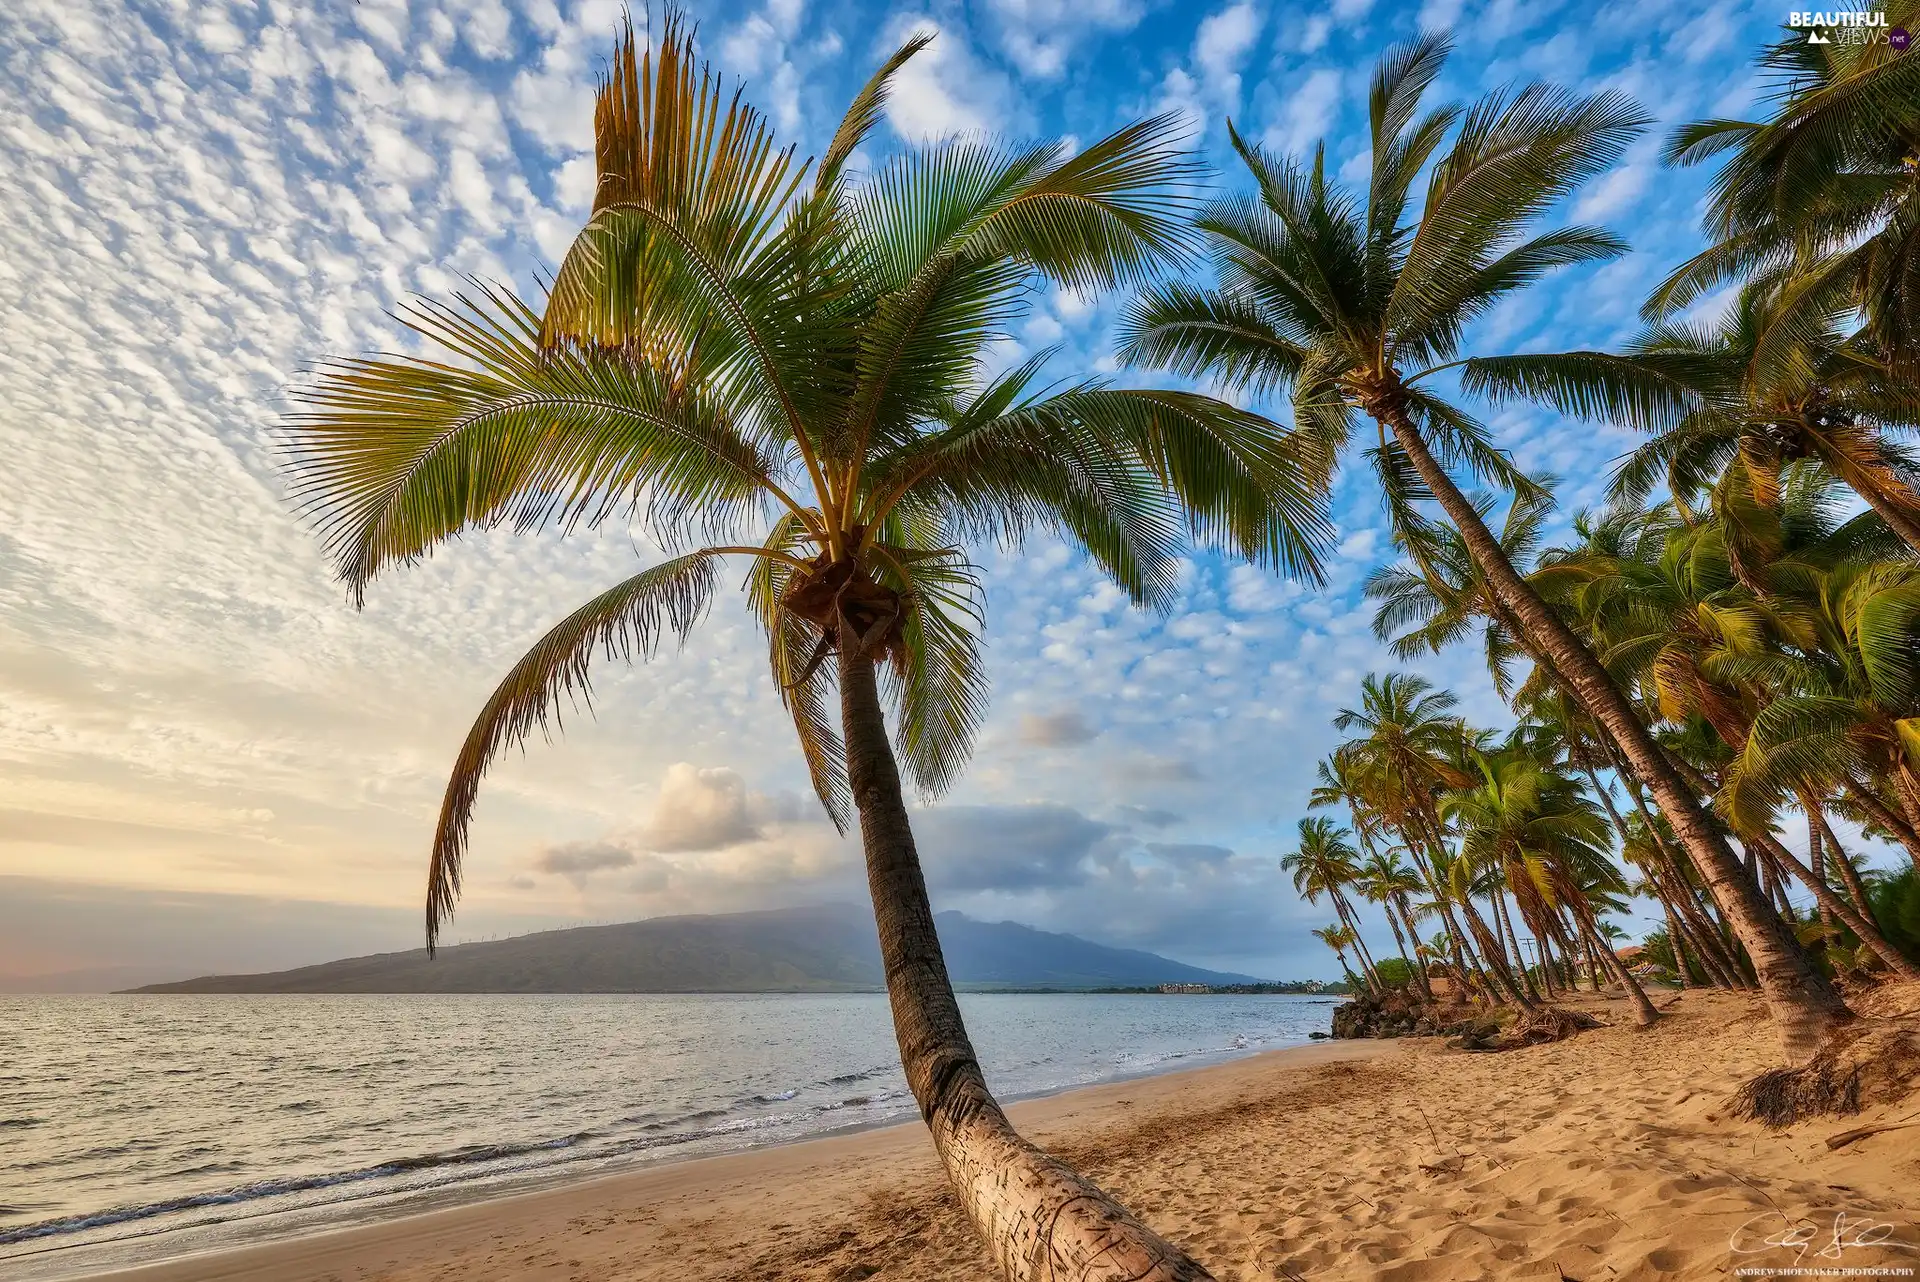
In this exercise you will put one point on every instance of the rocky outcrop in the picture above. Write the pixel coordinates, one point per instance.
(1403, 1014)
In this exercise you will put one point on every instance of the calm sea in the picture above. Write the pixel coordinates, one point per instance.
(137, 1128)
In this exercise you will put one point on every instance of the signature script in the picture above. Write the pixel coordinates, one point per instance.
(1772, 1231)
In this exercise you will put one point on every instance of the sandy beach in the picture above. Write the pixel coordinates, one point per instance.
(1607, 1156)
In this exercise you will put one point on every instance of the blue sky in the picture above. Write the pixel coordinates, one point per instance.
(213, 762)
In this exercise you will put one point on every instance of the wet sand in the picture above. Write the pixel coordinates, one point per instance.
(1609, 1156)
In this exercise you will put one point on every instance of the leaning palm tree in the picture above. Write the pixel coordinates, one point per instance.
(1324, 864)
(743, 362)
(1352, 305)
(1340, 938)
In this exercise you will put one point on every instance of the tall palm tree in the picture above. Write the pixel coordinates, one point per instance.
(1339, 938)
(1324, 864)
(1821, 201)
(1351, 304)
(1384, 880)
(748, 361)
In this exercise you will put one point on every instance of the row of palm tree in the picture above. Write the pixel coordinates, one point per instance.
(747, 357)
(1776, 651)
(1474, 832)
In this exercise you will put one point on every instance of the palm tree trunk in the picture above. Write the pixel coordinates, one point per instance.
(1442, 902)
(1419, 958)
(1494, 954)
(1400, 942)
(1895, 959)
(1844, 862)
(1041, 1219)
(1886, 817)
(1542, 943)
(1817, 861)
(1898, 517)
(1703, 939)
(1676, 937)
(1805, 1006)
(1712, 943)
(1643, 1011)
(1503, 919)
(1352, 920)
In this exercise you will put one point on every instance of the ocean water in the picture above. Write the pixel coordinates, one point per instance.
(140, 1128)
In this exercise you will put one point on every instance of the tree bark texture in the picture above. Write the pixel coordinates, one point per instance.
(1043, 1221)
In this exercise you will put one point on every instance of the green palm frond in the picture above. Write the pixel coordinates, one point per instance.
(626, 622)
(391, 455)
(679, 164)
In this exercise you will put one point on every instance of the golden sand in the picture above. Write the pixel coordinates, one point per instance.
(1610, 1156)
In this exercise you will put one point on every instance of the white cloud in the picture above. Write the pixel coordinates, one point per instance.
(701, 810)
(944, 90)
(1309, 109)
(1221, 46)
(1041, 36)
(1439, 15)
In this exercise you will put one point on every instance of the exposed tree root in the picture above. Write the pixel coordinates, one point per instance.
(1545, 1024)
(1870, 1062)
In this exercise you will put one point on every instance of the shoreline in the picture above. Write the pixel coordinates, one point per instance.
(295, 1255)
(1610, 1155)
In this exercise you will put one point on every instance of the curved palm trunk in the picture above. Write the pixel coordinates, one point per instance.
(1643, 1011)
(1400, 942)
(1837, 854)
(1494, 953)
(1805, 1006)
(1897, 515)
(1041, 1219)
(1896, 960)
(1886, 817)
(1703, 941)
(1352, 922)
(1465, 977)
(1503, 917)
(1680, 950)
(1708, 935)
(1817, 861)
(1419, 961)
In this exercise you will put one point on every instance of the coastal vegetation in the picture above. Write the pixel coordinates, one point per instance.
(789, 366)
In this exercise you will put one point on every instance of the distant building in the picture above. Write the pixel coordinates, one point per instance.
(1186, 988)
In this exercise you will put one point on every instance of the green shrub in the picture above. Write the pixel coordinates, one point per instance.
(1394, 972)
(1896, 905)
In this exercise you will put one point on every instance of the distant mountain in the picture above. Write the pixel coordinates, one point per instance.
(96, 979)
(824, 949)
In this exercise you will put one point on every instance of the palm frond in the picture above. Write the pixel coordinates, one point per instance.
(626, 622)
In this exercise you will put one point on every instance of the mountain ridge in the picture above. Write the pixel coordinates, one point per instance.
(826, 948)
